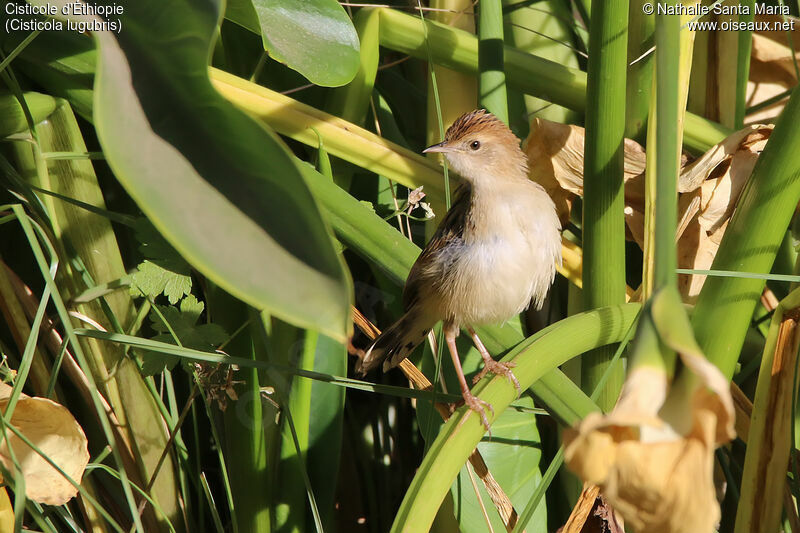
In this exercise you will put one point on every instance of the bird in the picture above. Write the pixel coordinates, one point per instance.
(495, 252)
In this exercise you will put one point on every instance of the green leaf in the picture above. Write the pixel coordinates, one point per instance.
(151, 280)
(164, 271)
(534, 358)
(329, 53)
(183, 323)
(514, 442)
(221, 188)
(155, 247)
(325, 427)
(242, 13)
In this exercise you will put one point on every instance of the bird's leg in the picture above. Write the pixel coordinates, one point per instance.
(490, 365)
(472, 401)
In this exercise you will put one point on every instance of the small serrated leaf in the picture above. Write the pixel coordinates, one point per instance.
(163, 271)
(151, 280)
(183, 322)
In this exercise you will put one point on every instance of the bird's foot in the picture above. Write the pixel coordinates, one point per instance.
(499, 368)
(476, 404)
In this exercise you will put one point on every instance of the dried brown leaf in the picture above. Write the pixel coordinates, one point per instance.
(582, 509)
(710, 187)
(716, 179)
(695, 173)
(555, 153)
(556, 149)
(771, 60)
(761, 91)
(772, 69)
(56, 433)
(653, 455)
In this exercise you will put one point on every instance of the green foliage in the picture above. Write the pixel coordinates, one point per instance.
(151, 280)
(180, 326)
(514, 434)
(253, 210)
(13, 120)
(230, 230)
(329, 55)
(164, 270)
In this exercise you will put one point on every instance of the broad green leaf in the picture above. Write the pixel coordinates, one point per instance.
(329, 53)
(222, 189)
(242, 13)
(325, 427)
(512, 455)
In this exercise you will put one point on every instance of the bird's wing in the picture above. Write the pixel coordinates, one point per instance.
(450, 233)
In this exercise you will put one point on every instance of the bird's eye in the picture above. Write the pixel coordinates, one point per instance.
(475, 145)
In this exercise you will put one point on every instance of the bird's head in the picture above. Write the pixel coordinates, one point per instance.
(480, 147)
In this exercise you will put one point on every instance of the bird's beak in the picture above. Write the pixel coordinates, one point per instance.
(441, 147)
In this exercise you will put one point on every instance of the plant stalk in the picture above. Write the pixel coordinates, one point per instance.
(750, 244)
(491, 64)
(603, 216)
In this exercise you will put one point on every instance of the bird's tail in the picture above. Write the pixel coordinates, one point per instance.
(395, 343)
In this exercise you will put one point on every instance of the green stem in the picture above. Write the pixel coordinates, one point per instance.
(12, 115)
(640, 70)
(751, 242)
(603, 217)
(667, 151)
(492, 77)
(770, 436)
(462, 432)
(245, 434)
(551, 81)
(743, 63)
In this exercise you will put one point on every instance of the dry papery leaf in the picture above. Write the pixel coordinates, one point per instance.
(715, 179)
(555, 154)
(772, 68)
(709, 187)
(52, 429)
(653, 455)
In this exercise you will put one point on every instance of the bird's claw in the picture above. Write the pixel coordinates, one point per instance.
(499, 369)
(476, 404)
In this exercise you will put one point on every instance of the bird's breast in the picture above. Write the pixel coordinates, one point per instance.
(506, 258)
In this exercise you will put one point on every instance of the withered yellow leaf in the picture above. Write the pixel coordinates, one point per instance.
(56, 433)
(653, 457)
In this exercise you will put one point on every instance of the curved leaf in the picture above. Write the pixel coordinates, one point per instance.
(329, 54)
(534, 357)
(514, 441)
(222, 189)
(12, 116)
(512, 454)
